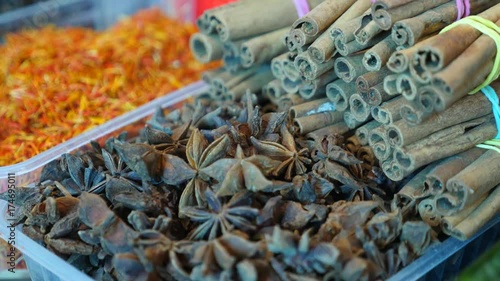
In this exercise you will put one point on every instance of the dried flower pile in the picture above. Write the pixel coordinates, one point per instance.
(53, 81)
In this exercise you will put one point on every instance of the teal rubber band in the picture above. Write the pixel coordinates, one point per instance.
(490, 93)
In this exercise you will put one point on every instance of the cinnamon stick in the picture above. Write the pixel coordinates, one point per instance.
(239, 21)
(317, 87)
(389, 111)
(310, 69)
(371, 79)
(414, 112)
(427, 211)
(400, 133)
(339, 93)
(322, 16)
(376, 95)
(253, 84)
(231, 55)
(481, 215)
(407, 86)
(322, 48)
(360, 110)
(311, 108)
(471, 183)
(390, 84)
(379, 143)
(377, 56)
(363, 132)
(348, 68)
(409, 31)
(262, 48)
(449, 223)
(410, 160)
(274, 90)
(436, 179)
(205, 48)
(386, 17)
(337, 128)
(439, 51)
(277, 65)
(351, 121)
(285, 102)
(309, 123)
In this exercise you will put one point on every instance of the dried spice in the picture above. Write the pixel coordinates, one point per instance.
(180, 202)
(54, 80)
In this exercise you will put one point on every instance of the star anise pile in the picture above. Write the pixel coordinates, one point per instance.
(222, 191)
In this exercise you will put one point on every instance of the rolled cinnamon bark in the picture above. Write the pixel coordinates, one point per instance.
(471, 183)
(376, 95)
(408, 160)
(414, 113)
(287, 101)
(289, 68)
(435, 181)
(310, 69)
(274, 90)
(389, 111)
(239, 21)
(253, 84)
(291, 86)
(390, 84)
(481, 215)
(413, 189)
(209, 75)
(277, 65)
(351, 121)
(407, 86)
(439, 51)
(301, 40)
(317, 87)
(339, 93)
(262, 48)
(322, 16)
(311, 108)
(371, 79)
(344, 31)
(427, 211)
(205, 48)
(386, 17)
(337, 128)
(474, 106)
(205, 22)
(449, 223)
(349, 68)
(379, 143)
(377, 56)
(322, 48)
(309, 123)
(360, 110)
(231, 55)
(445, 96)
(399, 61)
(363, 132)
(409, 31)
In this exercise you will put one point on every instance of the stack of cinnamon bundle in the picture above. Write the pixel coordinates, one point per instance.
(246, 35)
(384, 73)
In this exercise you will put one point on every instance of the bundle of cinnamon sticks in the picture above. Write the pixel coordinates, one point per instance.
(384, 73)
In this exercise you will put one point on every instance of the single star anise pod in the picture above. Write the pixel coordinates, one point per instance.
(300, 253)
(229, 257)
(173, 144)
(220, 218)
(240, 173)
(200, 154)
(293, 162)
